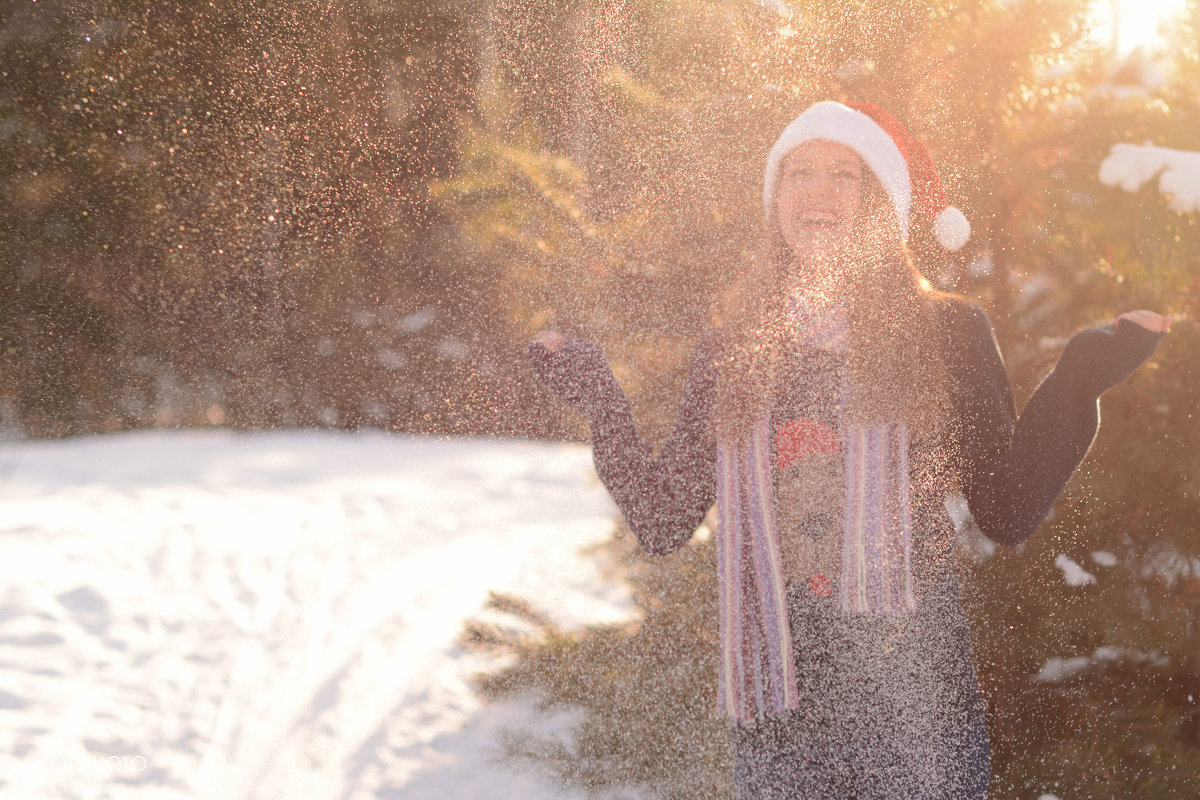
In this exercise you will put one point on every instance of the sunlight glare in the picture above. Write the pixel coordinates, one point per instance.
(1137, 23)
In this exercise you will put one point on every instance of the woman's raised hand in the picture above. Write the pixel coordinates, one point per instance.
(552, 340)
(1155, 323)
(575, 369)
(1097, 359)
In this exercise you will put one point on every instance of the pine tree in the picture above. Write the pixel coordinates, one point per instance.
(220, 214)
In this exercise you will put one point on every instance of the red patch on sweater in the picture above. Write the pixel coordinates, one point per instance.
(821, 585)
(801, 438)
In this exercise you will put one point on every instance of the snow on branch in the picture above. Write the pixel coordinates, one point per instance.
(1130, 166)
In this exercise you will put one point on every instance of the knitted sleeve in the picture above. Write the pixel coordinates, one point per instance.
(663, 498)
(1014, 468)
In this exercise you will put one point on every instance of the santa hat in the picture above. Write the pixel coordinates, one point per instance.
(900, 162)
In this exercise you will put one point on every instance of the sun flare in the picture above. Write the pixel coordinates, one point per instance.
(1134, 24)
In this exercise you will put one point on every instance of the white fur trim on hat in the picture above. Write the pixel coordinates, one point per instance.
(838, 123)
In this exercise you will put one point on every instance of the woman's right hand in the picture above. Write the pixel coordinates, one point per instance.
(551, 340)
(575, 369)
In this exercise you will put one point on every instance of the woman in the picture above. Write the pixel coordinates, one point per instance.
(829, 416)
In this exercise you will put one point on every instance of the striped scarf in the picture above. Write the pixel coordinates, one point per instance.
(757, 675)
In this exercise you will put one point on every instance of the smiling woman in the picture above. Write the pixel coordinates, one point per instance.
(829, 418)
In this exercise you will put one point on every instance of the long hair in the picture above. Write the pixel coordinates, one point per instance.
(897, 370)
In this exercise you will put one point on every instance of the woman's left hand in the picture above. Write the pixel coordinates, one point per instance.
(1155, 323)
(1097, 359)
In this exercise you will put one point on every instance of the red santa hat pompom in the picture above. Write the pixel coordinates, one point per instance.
(900, 162)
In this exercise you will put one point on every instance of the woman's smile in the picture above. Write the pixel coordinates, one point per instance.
(819, 196)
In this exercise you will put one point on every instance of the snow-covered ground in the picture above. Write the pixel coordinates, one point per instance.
(214, 615)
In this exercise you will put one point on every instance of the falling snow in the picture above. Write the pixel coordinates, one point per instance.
(354, 215)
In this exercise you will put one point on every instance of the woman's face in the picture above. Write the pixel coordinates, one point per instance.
(819, 198)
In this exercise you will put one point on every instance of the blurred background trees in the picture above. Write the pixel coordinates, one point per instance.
(220, 214)
(343, 214)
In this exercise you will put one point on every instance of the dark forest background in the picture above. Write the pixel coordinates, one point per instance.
(354, 214)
